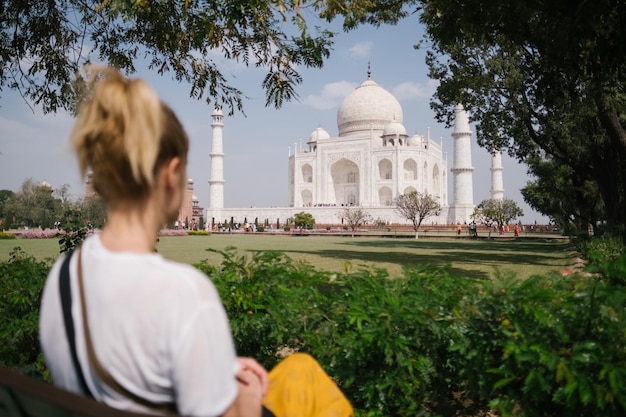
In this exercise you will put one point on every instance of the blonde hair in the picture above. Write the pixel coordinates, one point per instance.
(123, 134)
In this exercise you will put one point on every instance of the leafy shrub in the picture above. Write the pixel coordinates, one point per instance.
(422, 344)
(601, 250)
(430, 343)
(547, 346)
(22, 278)
(384, 340)
(6, 235)
(198, 233)
(71, 240)
(607, 256)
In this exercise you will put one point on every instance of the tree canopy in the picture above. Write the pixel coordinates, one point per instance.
(416, 207)
(304, 220)
(44, 44)
(355, 217)
(541, 79)
(496, 211)
(37, 204)
(571, 198)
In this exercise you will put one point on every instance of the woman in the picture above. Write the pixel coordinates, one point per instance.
(151, 335)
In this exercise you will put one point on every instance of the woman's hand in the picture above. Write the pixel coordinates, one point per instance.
(249, 400)
(251, 365)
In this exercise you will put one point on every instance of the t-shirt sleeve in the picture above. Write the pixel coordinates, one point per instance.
(205, 363)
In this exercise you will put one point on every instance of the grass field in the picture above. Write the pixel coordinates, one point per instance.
(468, 258)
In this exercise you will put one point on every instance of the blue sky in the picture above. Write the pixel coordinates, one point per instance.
(36, 146)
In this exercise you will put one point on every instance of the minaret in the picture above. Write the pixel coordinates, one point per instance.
(463, 202)
(89, 190)
(497, 187)
(216, 181)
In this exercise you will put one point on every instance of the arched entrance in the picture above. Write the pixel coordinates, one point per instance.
(345, 176)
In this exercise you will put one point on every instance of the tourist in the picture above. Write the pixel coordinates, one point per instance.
(473, 229)
(151, 335)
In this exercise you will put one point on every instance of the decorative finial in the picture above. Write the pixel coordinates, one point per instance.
(369, 70)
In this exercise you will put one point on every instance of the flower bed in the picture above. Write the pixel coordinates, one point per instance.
(41, 234)
(172, 232)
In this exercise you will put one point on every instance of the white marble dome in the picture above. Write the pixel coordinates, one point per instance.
(393, 129)
(318, 134)
(415, 140)
(368, 108)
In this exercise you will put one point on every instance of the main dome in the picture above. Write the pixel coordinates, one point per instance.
(368, 108)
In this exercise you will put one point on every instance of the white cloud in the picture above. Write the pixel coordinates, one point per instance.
(331, 95)
(361, 49)
(415, 91)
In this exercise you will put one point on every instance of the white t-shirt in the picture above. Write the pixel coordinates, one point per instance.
(158, 327)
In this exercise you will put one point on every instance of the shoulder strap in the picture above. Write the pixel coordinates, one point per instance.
(66, 304)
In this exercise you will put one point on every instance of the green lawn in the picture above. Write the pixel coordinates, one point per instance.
(469, 258)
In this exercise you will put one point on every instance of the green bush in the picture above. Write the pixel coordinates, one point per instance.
(422, 344)
(7, 235)
(71, 240)
(430, 343)
(547, 346)
(198, 233)
(607, 256)
(22, 278)
(600, 250)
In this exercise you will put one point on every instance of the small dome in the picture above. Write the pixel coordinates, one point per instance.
(394, 128)
(415, 140)
(190, 181)
(217, 112)
(318, 134)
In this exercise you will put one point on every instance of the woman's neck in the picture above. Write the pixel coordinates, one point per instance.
(131, 228)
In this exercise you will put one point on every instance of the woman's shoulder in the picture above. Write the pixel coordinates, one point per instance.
(146, 269)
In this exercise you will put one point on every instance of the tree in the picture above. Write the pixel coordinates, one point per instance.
(33, 205)
(569, 197)
(539, 79)
(416, 207)
(5, 195)
(303, 220)
(94, 210)
(500, 212)
(174, 36)
(355, 217)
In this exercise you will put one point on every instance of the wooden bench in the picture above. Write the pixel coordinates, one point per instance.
(22, 396)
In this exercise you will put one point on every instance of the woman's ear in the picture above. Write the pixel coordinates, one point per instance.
(173, 173)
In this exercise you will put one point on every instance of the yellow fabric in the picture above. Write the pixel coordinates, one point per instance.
(299, 387)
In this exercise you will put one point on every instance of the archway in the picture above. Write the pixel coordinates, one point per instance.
(307, 198)
(345, 176)
(436, 181)
(384, 169)
(410, 169)
(307, 173)
(385, 197)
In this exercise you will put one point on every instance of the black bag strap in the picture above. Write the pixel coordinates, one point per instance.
(66, 303)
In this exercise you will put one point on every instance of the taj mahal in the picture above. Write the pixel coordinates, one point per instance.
(368, 164)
